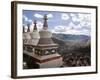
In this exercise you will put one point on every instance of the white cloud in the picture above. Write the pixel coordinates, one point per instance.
(71, 25)
(71, 29)
(85, 21)
(82, 28)
(78, 32)
(74, 17)
(39, 25)
(27, 19)
(82, 18)
(50, 16)
(30, 21)
(64, 16)
(41, 16)
(38, 15)
(59, 29)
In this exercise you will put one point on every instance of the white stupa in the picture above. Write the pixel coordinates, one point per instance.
(34, 35)
(45, 34)
(26, 35)
(46, 55)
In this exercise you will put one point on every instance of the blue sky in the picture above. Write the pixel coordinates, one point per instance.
(60, 22)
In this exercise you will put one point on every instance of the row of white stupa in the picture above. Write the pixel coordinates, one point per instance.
(34, 36)
(44, 53)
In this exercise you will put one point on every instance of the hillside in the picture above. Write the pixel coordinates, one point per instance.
(75, 49)
(68, 43)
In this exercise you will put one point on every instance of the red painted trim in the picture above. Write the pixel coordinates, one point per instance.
(46, 60)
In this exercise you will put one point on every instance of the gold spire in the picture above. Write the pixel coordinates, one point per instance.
(28, 25)
(45, 25)
(23, 29)
(35, 27)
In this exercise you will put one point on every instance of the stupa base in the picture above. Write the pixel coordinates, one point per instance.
(48, 61)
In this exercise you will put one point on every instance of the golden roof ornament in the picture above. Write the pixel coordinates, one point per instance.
(28, 25)
(35, 27)
(45, 25)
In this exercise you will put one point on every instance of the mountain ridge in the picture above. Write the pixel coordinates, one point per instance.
(69, 37)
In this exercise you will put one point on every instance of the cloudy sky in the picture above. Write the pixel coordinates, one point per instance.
(60, 22)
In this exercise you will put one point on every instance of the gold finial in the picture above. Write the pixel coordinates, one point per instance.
(35, 27)
(45, 25)
(23, 29)
(45, 17)
(28, 25)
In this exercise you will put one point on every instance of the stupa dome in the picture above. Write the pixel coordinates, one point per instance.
(26, 35)
(34, 37)
(35, 33)
(45, 34)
